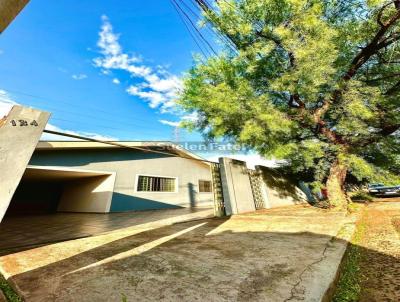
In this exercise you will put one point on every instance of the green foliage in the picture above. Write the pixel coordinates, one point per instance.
(9, 293)
(367, 172)
(361, 196)
(289, 90)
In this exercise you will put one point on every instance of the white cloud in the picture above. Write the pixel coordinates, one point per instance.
(116, 81)
(154, 98)
(113, 57)
(7, 102)
(157, 87)
(1, 51)
(80, 76)
(188, 117)
(191, 117)
(170, 123)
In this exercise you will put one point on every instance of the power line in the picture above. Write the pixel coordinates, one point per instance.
(86, 115)
(212, 29)
(56, 110)
(42, 98)
(195, 27)
(123, 146)
(188, 29)
(98, 126)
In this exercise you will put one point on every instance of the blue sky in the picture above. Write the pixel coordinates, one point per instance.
(51, 50)
(105, 69)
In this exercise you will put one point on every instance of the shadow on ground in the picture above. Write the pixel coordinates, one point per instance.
(19, 233)
(247, 258)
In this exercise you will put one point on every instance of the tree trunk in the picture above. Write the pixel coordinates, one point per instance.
(335, 186)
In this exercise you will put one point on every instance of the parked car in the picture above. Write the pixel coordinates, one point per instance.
(382, 190)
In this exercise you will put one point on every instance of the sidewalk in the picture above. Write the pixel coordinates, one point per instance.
(285, 254)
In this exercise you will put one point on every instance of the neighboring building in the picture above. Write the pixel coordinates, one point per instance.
(79, 176)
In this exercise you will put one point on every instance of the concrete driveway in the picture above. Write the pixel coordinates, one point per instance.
(283, 254)
(19, 233)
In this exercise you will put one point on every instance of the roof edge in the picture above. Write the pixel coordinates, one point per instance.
(77, 145)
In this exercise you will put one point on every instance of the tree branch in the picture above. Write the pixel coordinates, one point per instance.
(359, 60)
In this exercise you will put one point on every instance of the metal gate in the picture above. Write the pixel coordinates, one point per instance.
(256, 182)
(219, 207)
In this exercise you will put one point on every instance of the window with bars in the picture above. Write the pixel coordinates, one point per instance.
(156, 184)
(205, 186)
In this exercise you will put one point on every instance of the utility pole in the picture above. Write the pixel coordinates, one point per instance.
(176, 134)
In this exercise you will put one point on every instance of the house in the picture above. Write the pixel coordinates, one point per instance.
(81, 176)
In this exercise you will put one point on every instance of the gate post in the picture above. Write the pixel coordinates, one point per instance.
(236, 186)
(20, 132)
(219, 208)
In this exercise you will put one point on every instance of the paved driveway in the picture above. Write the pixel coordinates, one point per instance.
(23, 232)
(273, 255)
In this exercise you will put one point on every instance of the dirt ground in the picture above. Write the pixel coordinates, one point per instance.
(380, 259)
(285, 254)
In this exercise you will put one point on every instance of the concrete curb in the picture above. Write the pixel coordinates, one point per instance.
(336, 251)
(341, 247)
(345, 235)
(318, 280)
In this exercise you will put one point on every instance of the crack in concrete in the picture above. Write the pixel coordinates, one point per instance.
(294, 289)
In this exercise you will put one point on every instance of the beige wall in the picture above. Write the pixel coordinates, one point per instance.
(236, 187)
(127, 165)
(187, 172)
(89, 194)
(280, 191)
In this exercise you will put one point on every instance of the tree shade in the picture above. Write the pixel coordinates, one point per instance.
(314, 82)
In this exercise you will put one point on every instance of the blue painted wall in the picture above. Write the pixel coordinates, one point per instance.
(124, 202)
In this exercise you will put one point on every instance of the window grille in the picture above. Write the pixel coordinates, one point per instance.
(205, 186)
(155, 184)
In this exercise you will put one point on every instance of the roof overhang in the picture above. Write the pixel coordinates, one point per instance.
(165, 146)
(59, 173)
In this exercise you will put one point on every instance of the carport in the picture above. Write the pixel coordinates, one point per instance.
(54, 204)
(45, 190)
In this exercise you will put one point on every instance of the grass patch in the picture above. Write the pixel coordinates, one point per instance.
(348, 287)
(355, 207)
(396, 223)
(8, 291)
(361, 196)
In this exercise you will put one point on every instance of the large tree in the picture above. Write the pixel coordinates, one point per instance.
(315, 82)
